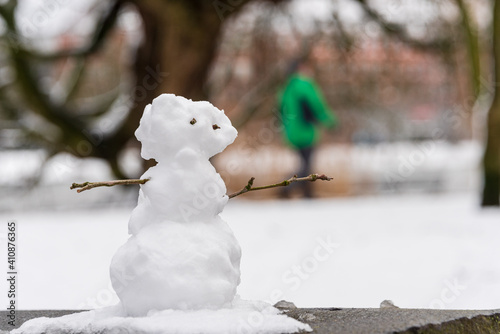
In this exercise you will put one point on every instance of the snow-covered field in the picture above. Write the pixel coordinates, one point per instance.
(421, 251)
(401, 167)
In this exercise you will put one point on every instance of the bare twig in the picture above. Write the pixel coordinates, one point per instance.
(101, 31)
(89, 185)
(250, 187)
(400, 32)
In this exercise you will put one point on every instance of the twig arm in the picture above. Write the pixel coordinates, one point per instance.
(89, 185)
(310, 178)
(249, 187)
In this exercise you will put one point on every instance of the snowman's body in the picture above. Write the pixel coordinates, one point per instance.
(185, 189)
(181, 254)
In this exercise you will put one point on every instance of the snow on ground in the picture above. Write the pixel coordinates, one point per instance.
(421, 251)
(402, 167)
(429, 251)
(243, 317)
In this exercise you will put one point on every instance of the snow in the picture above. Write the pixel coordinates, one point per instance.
(243, 317)
(420, 251)
(398, 167)
(17, 167)
(427, 251)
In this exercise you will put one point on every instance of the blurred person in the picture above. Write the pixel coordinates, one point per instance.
(303, 109)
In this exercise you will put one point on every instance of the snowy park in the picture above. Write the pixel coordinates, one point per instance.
(420, 251)
(255, 166)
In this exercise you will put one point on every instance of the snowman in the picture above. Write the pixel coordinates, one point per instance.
(179, 270)
(180, 255)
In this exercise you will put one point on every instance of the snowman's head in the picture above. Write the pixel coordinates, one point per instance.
(172, 123)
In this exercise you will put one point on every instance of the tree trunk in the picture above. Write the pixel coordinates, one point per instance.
(472, 43)
(491, 159)
(180, 41)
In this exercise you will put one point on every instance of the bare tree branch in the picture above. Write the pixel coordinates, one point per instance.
(399, 32)
(310, 178)
(74, 78)
(54, 111)
(7, 12)
(346, 41)
(89, 185)
(101, 30)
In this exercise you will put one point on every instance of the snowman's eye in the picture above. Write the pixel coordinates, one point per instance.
(193, 121)
(215, 127)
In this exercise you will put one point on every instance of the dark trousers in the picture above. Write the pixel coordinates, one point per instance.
(305, 169)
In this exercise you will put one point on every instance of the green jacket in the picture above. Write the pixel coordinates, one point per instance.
(302, 107)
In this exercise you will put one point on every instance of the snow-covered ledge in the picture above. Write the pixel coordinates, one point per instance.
(357, 320)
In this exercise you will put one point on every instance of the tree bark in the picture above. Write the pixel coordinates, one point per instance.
(173, 57)
(180, 42)
(179, 45)
(472, 43)
(491, 158)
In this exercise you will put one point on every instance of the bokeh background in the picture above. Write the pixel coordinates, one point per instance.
(415, 157)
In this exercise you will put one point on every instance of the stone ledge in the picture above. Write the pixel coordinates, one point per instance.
(357, 321)
(23, 316)
(396, 320)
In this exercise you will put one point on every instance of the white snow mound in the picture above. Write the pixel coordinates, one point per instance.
(247, 317)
